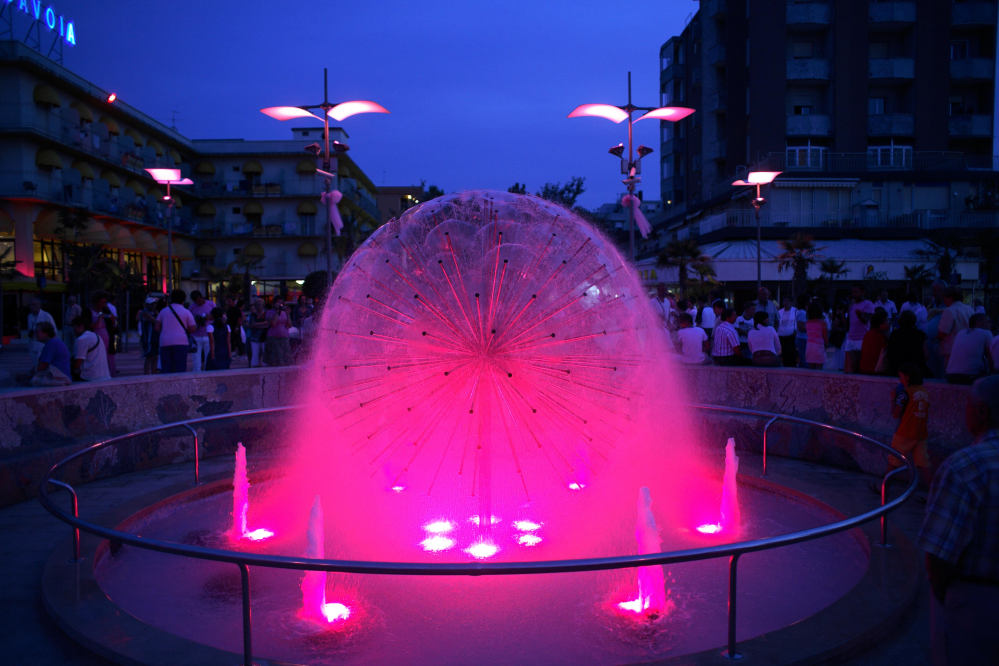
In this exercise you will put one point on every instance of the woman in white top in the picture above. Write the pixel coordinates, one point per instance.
(787, 327)
(764, 343)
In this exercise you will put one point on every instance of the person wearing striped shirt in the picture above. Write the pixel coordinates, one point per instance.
(726, 349)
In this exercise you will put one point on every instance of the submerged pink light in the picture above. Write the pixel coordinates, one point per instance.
(635, 605)
(437, 544)
(576, 486)
(258, 534)
(398, 489)
(335, 612)
(482, 550)
(439, 527)
(709, 529)
(529, 540)
(493, 520)
(526, 525)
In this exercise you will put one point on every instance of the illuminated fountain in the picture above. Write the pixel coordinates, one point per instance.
(241, 502)
(488, 384)
(730, 515)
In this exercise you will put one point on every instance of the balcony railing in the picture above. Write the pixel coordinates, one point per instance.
(244, 189)
(891, 124)
(892, 12)
(980, 69)
(808, 69)
(810, 125)
(973, 13)
(875, 219)
(808, 14)
(970, 125)
(891, 68)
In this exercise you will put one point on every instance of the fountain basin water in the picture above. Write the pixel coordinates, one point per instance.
(551, 618)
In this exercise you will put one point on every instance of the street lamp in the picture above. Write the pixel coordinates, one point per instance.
(169, 177)
(329, 170)
(631, 167)
(758, 178)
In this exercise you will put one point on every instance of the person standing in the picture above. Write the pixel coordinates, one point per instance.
(787, 327)
(201, 307)
(36, 315)
(148, 338)
(174, 323)
(907, 344)
(277, 349)
(934, 312)
(743, 325)
(801, 330)
(221, 351)
(859, 315)
(90, 358)
(911, 406)
(874, 348)
(816, 336)
(73, 310)
(967, 356)
(725, 348)
(705, 316)
(765, 304)
(660, 305)
(917, 309)
(234, 318)
(258, 325)
(889, 307)
(104, 324)
(953, 320)
(960, 536)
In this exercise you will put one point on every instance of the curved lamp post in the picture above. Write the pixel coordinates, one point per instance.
(337, 112)
(169, 177)
(758, 178)
(632, 168)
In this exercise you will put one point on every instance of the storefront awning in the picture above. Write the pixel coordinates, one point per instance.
(85, 170)
(6, 222)
(175, 155)
(111, 177)
(306, 208)
(46, 157)
(46, 95)
(47, 224)
(253, 167)
(136, 187)
(139, 141)
(121, 237)
(144, 241)
(94, 233)
(162, 243)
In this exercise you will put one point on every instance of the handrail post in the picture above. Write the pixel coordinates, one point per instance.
(76, 514)
(244, 574)
(765, 429)
(884, 497)
(733, 566)
(197, 472)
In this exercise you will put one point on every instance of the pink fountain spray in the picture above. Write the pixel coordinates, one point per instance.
(241, 502)
(731, 518)
(314, 606)
(651, 599)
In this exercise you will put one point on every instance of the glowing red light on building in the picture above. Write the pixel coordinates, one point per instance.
(112, 97)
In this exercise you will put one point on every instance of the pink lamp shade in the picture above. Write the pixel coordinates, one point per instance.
(671, 113)
(599, 111)
(169, 177)
(348, 109)
(762, 177)
(288, 112)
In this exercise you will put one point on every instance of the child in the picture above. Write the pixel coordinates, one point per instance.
(220, 341)
(912, 408)
(818, 336)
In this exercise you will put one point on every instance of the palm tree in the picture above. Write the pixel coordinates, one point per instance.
(798, 255)
(918, 276)
(942, 252)
(832, 269)
(685, 255)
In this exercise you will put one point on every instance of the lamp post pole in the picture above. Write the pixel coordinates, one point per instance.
(631, 179)
(169, 239)
(327, 180)
(759, 261)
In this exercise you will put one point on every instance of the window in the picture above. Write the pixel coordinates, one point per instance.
(667, 61)
(307, 224)
(802, 110)
(667, 168)
(306, 133)
(134, 261)
(956, 106)
(667, 96)
(667, 131)
(806, 155)
(892, 155)
(48, 259)
(959, 49)
(802, 49)
(236, 210)
(879, 49)
(877, 106)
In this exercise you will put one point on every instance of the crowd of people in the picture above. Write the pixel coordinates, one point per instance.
(171, 329)
(941, 334)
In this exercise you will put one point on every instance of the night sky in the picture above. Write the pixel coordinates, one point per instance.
(478, 91)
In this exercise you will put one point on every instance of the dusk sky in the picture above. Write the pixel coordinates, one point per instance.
(479, 91)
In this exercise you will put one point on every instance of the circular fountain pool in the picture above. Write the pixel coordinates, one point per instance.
(529, 619)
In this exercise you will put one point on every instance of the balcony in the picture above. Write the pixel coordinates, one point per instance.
(674, 71)
(891, 124)
(714, 8)
(970, 125)
(810, 125)
(673, 184)
(973, 13)
(891, 69)
(718, 150)
(878, 219)
(244, 189)
(808, 69)
(673, 146)
(808, 15)
(972, 69)
(717, 103)
(716, 55)
(267, 227)
(899, 13)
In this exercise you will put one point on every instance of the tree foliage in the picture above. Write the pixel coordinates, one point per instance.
(517, 188)
(685, 255)
(942, 251)
(798, 254)
(563, 195)
(315, 286)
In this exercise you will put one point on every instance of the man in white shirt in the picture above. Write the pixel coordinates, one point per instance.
(917, 309)
(766, 304)
(725, 349)
(693, 342)
(36, 315)
(953, 320)
(967, 357)
(744, 324)
(661, 305)
(90, 360)
(889, 307)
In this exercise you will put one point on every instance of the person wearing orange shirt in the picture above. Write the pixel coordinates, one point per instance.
(912, 408)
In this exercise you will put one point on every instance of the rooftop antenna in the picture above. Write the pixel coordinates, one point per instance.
(173, 120)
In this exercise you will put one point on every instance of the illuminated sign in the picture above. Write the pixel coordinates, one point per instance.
(49, 17)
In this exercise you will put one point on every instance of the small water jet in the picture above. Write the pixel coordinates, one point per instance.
(241, 502)
(651, 599)
(731, 518)
(314, 606)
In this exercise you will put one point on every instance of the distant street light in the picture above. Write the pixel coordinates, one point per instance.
(169, 177)
(758, 178)
(329, 171)
(631, 167)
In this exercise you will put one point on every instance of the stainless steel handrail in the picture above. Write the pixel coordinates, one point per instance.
(242, 560)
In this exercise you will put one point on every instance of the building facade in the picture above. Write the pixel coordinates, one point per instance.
(880, 116)
(68, 153)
